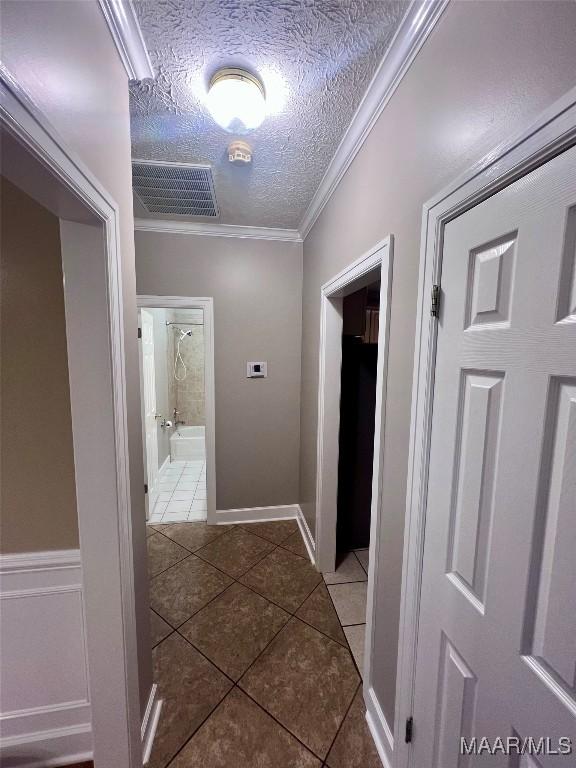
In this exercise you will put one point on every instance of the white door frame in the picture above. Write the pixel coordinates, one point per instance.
(355, 276)
(207, 305)
(95, 339)
(151, 496)
(552, 133)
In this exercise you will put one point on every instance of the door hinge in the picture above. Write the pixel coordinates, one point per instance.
(409, 730)
(139, 333)
(145, 487)
(435, 305)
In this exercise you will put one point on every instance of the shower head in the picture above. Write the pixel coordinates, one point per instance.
(183, 334)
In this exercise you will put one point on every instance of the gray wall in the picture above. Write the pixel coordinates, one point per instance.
(63, 55)
(487, 70)
(39, 515)
(256, 286)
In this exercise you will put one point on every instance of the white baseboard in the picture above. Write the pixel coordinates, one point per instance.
(46, 714)
(379, 728)
(306, 535)
(150, 722)
(269, 514)
(256, 514)
(165, 463)
(58, 747)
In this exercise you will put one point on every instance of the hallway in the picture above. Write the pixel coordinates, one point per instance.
(249, 655)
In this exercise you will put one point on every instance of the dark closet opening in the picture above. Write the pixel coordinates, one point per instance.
(357, 414)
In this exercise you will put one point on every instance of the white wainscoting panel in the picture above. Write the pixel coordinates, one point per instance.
(45, 716)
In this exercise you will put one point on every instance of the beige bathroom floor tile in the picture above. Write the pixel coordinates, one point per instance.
(356, 635)
(350, 602)
(348, 569)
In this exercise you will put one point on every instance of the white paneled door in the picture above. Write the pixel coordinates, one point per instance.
(497, 632)
(149, 405)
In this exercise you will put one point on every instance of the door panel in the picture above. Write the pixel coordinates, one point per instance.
(476, 460)
(455, 705)
(497, 632)
(553, 636)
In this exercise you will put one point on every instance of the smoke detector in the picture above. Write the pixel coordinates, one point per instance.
(240, 152)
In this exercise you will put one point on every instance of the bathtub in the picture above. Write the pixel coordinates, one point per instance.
(188, 444)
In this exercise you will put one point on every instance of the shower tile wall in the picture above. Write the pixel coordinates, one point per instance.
(190, 392)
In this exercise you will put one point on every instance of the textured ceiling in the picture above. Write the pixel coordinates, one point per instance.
(316, 59)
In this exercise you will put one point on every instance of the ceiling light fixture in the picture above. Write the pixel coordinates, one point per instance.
(236, 100)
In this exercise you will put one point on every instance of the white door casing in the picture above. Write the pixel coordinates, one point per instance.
(148, 378)
(206, 304)
(375, 264)
(497, 630)
(95, 340)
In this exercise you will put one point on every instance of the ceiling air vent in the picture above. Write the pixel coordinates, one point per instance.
(185, 190)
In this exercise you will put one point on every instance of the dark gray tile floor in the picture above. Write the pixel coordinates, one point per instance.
(249, 655)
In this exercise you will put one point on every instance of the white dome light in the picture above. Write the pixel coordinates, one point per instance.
(236, 100)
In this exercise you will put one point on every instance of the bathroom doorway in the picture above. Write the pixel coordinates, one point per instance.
(360, 316)
(177, 383)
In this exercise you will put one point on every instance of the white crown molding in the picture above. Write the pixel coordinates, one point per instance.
(216, 230)
(125, 30)
(420, 19)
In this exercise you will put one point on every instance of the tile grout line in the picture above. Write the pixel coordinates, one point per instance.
(234, 581)
(235, 684)
(357, 558)
(195, 613)
(172, 630)
(360, 675)
(275, 546)
(172, 494)
(192, 552)
(254, 591)
(191, 644)
(180, 477)
(224, 533)
(284, 728)
(347, 641)
(151, 578)
(247, 586)
(343, 720)
(195, 731)
(292, 613)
